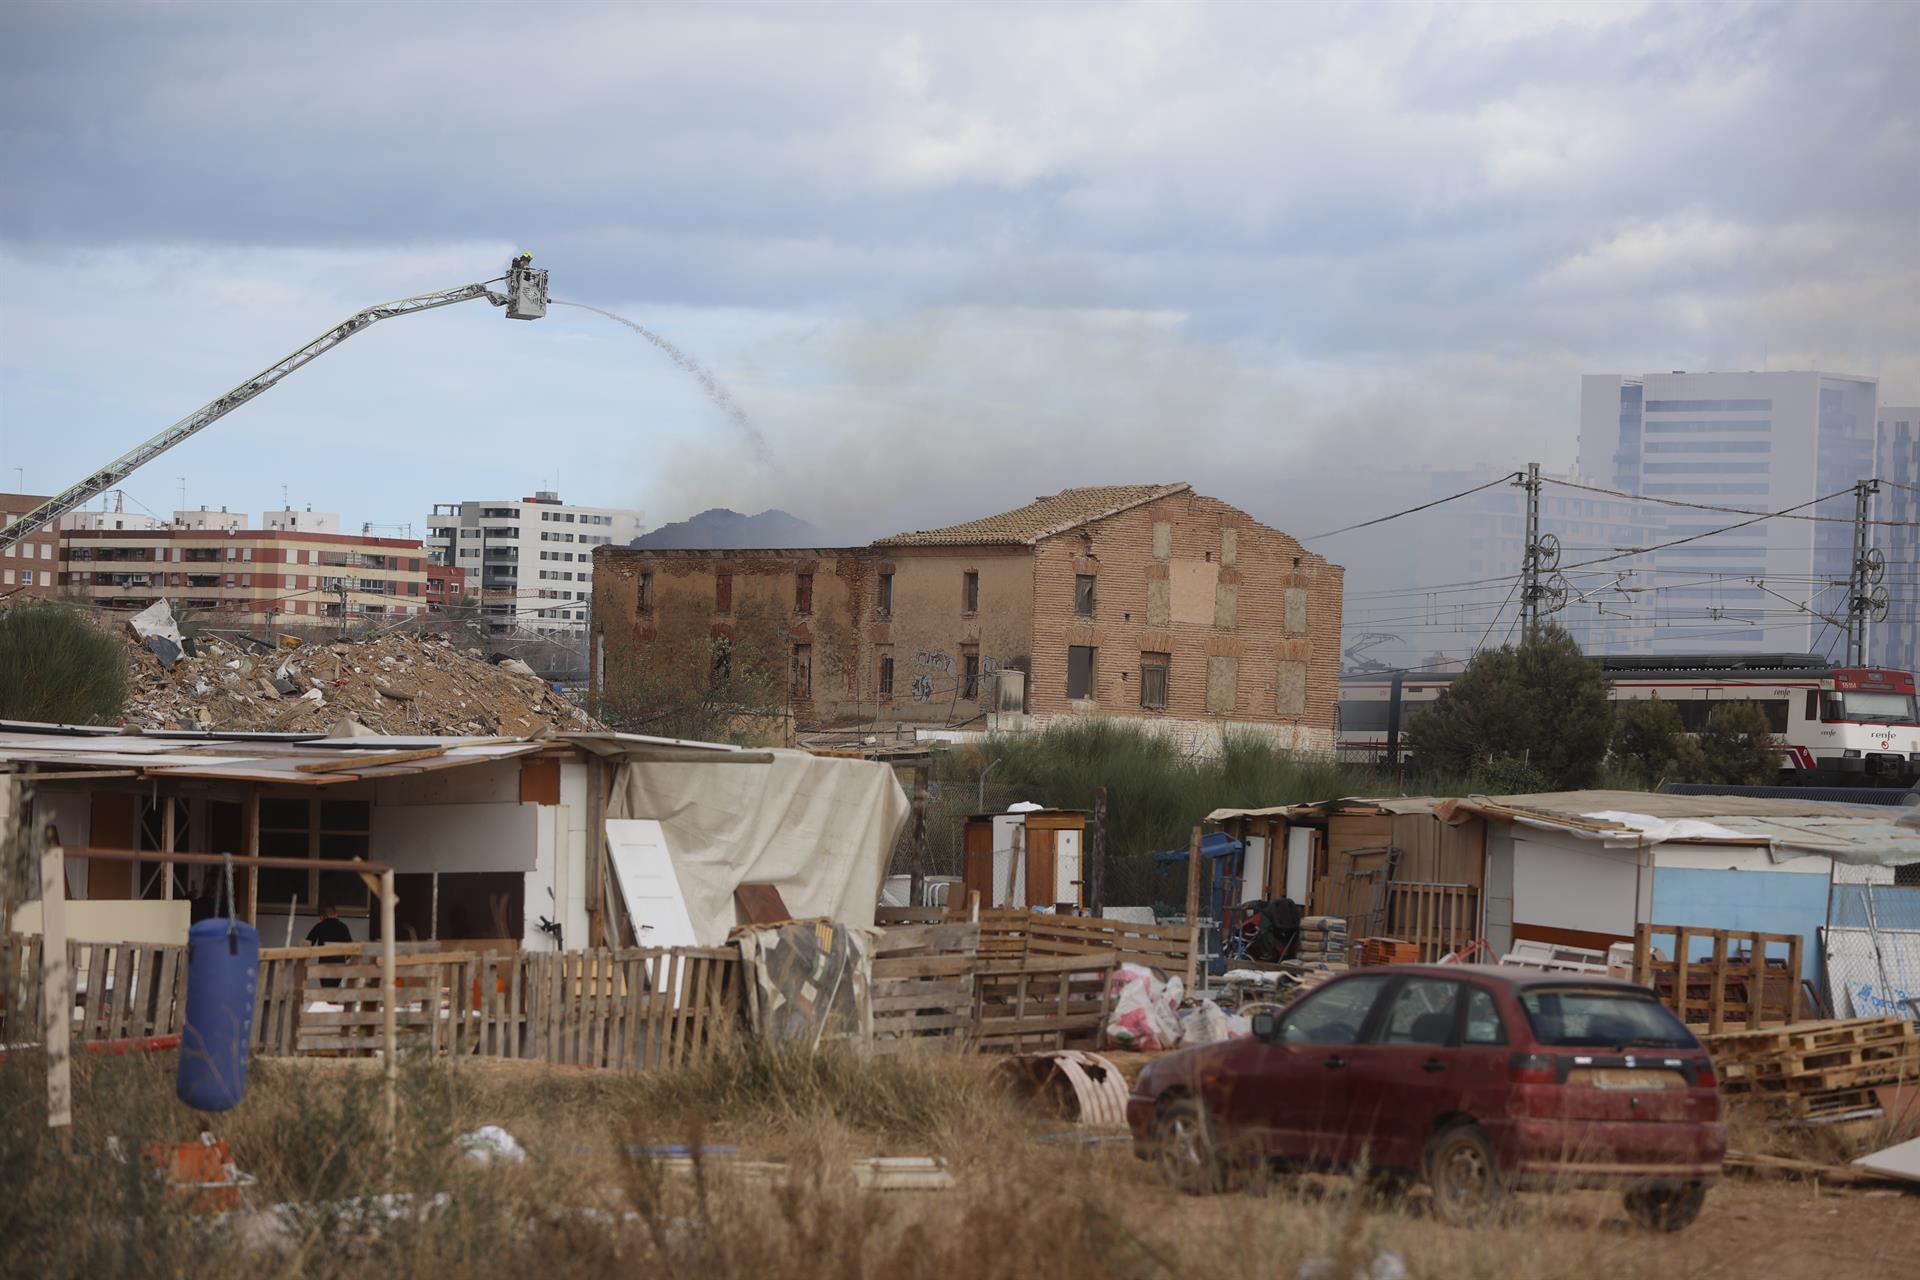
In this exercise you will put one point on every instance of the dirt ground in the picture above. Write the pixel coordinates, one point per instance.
(1790, 1228)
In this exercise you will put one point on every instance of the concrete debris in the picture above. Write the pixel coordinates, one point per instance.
(393, 684)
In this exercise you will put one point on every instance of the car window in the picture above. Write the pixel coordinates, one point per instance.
(1334, 1014)
(1421, 1012)
(1622, 1018)
(1483, 1018)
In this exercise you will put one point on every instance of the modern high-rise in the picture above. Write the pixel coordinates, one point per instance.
(1710, 446)
(530, 559)
(1896, 642)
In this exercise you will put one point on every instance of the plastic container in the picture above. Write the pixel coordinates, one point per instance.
(222, 971)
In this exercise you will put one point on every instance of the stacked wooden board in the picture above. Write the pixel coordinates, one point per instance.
(1323, 940)
(1812, 1070)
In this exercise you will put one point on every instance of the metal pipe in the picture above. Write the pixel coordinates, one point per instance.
(980, 804)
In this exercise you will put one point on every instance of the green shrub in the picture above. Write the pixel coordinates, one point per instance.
(1737, 746)
(57, 666)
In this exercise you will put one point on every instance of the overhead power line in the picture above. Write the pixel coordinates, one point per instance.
(1737, 511)
(1411, 510)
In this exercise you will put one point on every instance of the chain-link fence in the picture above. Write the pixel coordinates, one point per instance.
(1871, 949)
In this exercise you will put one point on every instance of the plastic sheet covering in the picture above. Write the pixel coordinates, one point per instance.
(811, 981)
(819, 829)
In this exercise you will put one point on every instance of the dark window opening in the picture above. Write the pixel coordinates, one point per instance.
(970, 675)
(645, 598)
(1083, 601)
(885, 595)
(886, 677)
(970, 592)
(722, 663)
(802, 672)
(803, 593)
(1080, 671)
(1153, 680)
(723, 593)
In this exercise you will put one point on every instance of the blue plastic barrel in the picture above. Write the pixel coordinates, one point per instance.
(222, 970)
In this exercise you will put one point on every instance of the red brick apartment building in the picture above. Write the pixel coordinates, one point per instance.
(292, 573)
(31, 567)
(1146, 601)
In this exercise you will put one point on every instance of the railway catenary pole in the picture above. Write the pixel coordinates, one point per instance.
(1860, 601)
(1530, 589)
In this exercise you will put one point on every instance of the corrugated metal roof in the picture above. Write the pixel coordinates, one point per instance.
(1041, 518)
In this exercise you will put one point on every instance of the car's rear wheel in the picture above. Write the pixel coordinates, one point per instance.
(1465, 1178)
(1665, 1208)
(1186, 1150)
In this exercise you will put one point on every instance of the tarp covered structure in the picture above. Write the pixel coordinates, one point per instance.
(820, 829)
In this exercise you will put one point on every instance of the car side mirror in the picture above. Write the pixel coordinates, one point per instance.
(1265, 1026)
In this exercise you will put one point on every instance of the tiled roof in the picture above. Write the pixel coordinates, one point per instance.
(1041, 518)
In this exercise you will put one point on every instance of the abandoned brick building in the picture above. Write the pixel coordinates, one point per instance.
(1148, 601)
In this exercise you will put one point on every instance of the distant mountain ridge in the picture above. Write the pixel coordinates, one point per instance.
(719, 529)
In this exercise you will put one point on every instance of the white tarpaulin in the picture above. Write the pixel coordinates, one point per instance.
(1658, 830)
(820, 829)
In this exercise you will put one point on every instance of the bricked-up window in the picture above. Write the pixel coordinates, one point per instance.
(1153, 680)
(886, 676)
(803, 593)
(802, 672)
(1083, 594)
(970, 592)
(885, 597)
(723, 593)
(969, 672)
(1080, 660)
(643, 602)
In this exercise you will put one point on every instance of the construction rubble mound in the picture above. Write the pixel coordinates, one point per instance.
(393, 684)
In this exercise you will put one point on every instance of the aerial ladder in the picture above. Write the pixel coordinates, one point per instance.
(525, 298)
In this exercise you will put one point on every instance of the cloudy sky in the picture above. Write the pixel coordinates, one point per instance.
(946, 257)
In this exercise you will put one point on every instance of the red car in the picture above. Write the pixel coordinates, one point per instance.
(1479, 1079)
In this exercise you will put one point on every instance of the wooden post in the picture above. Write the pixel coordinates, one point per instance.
(250, 837)
(1096, 874)
(596, 849)
(1757, 984)
(1193, 909)
(1643, 954)
(917, 865)
(1717, 1009)
(167, 839)
(1793, 979)
(56, 984)
(388, 1039)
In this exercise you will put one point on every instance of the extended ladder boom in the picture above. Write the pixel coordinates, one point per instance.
(526, 298)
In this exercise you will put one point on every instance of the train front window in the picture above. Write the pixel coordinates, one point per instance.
(1878, 708)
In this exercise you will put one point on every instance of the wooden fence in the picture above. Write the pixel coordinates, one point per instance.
(1757, 987)
(1438, 918)
(638, 1009)
(922, 992)
(1042, 1002)
(1012, 935)
(121, 991)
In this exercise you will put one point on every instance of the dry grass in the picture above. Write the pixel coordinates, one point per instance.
(580, 1205)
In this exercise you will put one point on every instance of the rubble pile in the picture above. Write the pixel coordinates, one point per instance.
(394, 684)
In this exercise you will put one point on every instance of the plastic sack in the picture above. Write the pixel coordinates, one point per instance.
(1143, 1011)
(1208, 1023)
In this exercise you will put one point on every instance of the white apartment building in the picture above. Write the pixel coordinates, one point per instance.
(1756, 442)
(530, 559)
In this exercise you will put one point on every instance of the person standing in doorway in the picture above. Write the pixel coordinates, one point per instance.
(330, 929)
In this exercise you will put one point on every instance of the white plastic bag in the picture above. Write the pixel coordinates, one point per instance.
(1207, 1023)
(1142, 1010)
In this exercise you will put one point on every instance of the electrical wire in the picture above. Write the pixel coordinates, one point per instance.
(1509, 476)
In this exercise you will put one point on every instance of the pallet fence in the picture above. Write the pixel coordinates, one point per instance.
(121, 991)
(1008, 936)
(1042, 1002)
(1438, 918)
(922, 992)
(1754, 988)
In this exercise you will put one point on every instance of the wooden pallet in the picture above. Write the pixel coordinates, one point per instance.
(1804, 1038)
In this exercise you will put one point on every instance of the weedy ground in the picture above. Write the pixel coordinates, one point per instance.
(589, 1201)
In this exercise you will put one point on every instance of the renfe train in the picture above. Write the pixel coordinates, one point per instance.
(1853, 726)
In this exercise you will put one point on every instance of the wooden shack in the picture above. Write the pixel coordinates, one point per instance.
(1027, 857)
(1389, 867)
